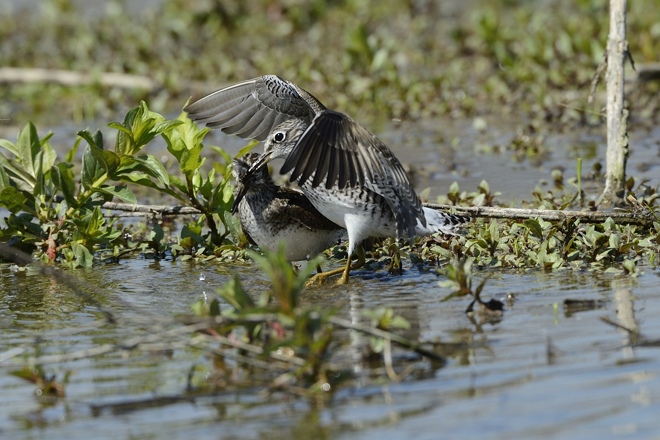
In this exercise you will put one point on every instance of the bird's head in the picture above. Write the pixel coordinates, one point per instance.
(283, 138)
(249, 178)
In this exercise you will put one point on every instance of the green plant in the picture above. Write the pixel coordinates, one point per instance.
(60, 216)
(278, 325)
(277, 321)
(459, 279)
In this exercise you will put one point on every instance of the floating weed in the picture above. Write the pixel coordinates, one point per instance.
(569, 243)
(47, 386)
(482, 197)
(459, 279)
(526, 146)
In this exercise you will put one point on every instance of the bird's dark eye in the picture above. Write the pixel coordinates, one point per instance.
(279, 137)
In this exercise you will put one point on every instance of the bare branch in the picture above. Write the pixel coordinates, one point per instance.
(545, 214)
(474, 211)
(151, 209)
(72, 78)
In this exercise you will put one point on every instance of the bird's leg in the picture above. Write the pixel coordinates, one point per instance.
(318, 269)
(358, 264)
(322, 276)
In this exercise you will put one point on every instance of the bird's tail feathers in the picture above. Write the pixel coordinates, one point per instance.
(439, 221)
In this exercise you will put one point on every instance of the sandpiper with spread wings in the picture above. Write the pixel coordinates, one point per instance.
(348, 174)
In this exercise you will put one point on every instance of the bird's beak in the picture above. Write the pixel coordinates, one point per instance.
(242, 189)
(260, 162)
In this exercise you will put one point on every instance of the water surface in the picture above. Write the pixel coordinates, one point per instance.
(538, 372)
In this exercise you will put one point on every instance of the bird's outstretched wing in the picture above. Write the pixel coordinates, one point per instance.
(335, 150)
(252, 108)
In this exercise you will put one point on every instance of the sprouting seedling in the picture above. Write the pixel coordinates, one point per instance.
(459, 277)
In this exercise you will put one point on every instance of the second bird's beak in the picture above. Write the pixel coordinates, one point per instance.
(242, 188)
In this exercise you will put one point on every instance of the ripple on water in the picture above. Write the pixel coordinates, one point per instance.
(537, 372)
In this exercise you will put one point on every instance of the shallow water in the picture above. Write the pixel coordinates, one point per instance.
(538, 372)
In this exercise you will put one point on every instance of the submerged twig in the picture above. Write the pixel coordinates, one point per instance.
(77, 285)
(404, 342)
(635, 337)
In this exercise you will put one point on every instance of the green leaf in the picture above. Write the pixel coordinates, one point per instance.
(235, 295)
(534, 227)
(71, 154)
(92, 170)
(83, 256)
(4, 178)
(155, 168)
(400, 322)
(455, 294)
(13, 199)
(40, 186)
(603, 255)
(144, 180)
(146, 164)
(9, 146)
(95, 222)
(28, 146)
(246, 149)
(140, 127)
(122, 128)
(46, 157)
(202, 308)
(107, 159)
(184, 142)
(64, 180)
(120, 192)
(94, 140)
(18, 174)
(180, 185)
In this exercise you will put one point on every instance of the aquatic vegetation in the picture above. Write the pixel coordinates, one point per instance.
(501, 57)
(59, 214)
(56, 208)
(459, 279)
(47, 386)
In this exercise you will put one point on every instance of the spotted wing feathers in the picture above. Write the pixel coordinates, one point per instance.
(335, 150)
(251, 109)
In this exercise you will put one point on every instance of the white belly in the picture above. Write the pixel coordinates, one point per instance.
(354, 210)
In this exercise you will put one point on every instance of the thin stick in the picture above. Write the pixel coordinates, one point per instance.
(73, 78)
(404, 342)
(151, 209)
(545, 214)
(474, 211)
